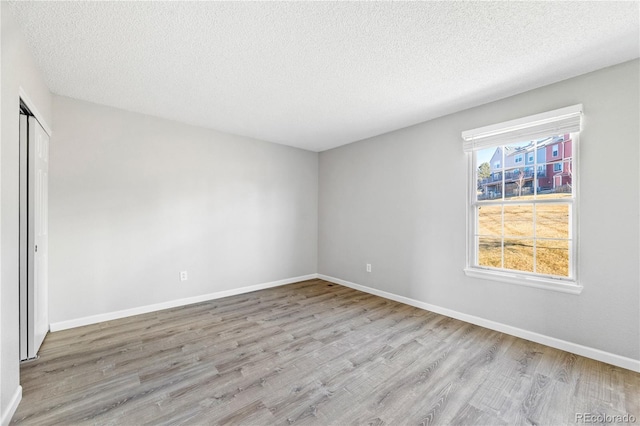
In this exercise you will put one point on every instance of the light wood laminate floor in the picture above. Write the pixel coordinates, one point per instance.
(311, 353)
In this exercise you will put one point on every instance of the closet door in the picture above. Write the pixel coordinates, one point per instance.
(38, 236)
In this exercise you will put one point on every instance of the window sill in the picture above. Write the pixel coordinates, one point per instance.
(561, 286)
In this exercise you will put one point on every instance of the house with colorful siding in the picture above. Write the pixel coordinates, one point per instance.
(559, 163)
(544, 163)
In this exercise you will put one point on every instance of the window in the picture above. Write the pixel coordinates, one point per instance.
(522, 226)
(554, 151)
(530, 158)
(518, 158)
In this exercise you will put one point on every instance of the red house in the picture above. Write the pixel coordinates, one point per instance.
(559, 165)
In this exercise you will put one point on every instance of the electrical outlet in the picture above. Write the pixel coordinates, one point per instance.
(368, 267)
(183, 276)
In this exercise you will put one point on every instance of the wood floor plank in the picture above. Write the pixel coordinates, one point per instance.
(311, 353)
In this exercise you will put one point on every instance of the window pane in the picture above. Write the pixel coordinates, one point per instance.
(515, 165)
(519, 182)
(552, 257)
(518, 220)
(489, 173)
(552, 221)
(518, 254)
(490, 220)
(491, 189)
(490, 252)
(555, 180)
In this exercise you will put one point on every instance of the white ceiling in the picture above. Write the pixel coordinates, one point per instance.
(321, 74)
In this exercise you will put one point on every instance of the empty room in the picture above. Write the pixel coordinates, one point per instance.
(327, 213)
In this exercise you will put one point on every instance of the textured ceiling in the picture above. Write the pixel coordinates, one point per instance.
(320, 74)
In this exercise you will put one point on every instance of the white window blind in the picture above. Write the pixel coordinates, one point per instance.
(556, 122)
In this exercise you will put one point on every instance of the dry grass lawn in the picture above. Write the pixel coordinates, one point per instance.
(549, 239)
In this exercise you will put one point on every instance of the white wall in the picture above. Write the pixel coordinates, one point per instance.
(398, 201)
(18, 70)
(134, 200)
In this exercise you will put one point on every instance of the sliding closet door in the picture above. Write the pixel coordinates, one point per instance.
(38, 236)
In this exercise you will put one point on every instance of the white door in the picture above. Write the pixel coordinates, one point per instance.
(38, 237)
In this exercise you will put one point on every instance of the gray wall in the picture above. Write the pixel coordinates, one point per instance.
(134, 200)
(398, 201)
(18, 70)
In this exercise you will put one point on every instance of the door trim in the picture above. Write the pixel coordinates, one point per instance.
(22, 94)
(25, 260)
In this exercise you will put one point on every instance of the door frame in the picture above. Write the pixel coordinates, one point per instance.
(23, 256)
(24, 97)
(28, 106)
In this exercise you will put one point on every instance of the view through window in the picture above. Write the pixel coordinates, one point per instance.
(523, 206)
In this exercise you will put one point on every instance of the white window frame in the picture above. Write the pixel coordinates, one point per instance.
(518, 159)
(530, 157)
(555, 150)
(559, 163)
(525, 128)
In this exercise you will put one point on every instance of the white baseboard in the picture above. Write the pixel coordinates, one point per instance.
(597, 354)
(13, 406)
(93, 319)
